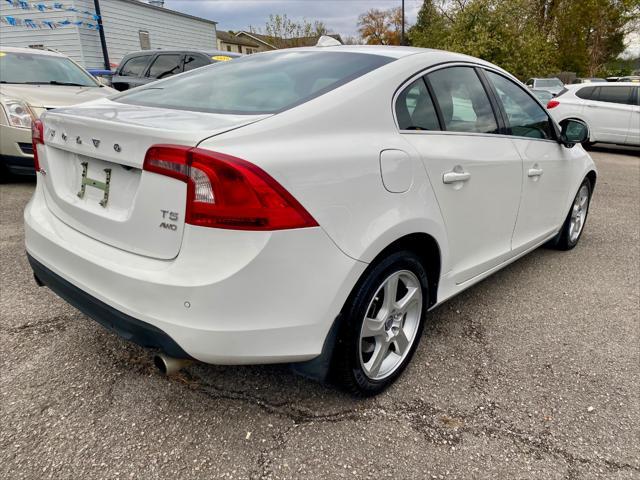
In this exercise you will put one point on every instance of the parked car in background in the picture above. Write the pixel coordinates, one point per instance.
(589, 80)
(301, 205)
(630, 78)
(611, 110)
(543, 95)
(103, 76)
(553, 85)
(147, 66)
(32, 81)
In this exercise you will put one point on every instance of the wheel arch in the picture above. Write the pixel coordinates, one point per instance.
(426, 247)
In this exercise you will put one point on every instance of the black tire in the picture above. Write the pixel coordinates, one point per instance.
(347, 370)
(564, 241)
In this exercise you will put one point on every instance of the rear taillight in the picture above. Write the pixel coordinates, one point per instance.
(227, 192)
(552, 104)
(37, 138)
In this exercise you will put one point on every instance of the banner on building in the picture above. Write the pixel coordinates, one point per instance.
(43, 7)
(51, 24)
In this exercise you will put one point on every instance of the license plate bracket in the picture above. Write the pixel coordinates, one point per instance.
(92, 182)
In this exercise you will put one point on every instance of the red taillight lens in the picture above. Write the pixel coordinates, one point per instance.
(37, 138)
(552, 104)
(227, 192)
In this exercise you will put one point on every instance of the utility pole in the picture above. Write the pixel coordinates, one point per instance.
(402, 30)
(103, 40)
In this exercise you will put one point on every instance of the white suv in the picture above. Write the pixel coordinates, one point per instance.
(611, 110)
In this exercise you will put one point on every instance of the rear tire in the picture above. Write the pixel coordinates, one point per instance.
(382, 324)
(573, 226)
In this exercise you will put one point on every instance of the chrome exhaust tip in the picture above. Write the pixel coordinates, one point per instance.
(169, 365)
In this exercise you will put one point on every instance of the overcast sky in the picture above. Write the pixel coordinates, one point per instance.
(340, 16)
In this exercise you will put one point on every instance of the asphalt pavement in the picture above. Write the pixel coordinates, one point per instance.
(532, 374)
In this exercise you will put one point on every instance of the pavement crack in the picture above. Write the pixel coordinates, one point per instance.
(298, 415)
(55, 324)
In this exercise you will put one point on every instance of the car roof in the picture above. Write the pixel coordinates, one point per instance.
(392, 51)
(34, 51)
(576, 86)
(184, 50)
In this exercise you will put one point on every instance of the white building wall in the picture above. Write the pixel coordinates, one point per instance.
(64, 39)
(122, 21)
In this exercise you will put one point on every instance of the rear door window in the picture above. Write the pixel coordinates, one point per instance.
(616, 95)
(526, 117)
(415, 109)
(135, 67)
(463, 101)
(165, 65)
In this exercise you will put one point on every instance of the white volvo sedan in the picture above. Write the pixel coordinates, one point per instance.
(306, 206)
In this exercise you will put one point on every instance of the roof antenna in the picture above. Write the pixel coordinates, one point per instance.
(327, 41)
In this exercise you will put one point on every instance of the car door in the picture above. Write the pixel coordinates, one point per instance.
(548, 171)
(608, 113)
(633, 137)
(130, 73)
(475, 173)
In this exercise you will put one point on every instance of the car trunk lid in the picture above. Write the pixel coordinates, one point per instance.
(94, 182)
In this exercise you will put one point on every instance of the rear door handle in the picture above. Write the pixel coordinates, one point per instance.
(454, 176)
(535, 172)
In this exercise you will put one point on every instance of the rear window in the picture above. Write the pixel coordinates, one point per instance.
(165, 65)
(548, 82)
(259, 84)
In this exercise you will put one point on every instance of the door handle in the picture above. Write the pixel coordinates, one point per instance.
(454, 176)
(535, 172)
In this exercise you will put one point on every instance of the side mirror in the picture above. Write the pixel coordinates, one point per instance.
(573, 131)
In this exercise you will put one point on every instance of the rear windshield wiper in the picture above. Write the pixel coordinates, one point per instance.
(55, 82)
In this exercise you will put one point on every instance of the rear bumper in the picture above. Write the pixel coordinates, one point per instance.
(127, 327)
(229, 297)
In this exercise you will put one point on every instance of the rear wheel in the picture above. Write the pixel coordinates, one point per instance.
(383, 321)
(573, 226)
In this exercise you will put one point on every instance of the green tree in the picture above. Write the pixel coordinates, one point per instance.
(590, 33)
(531, 37)
(431, 28)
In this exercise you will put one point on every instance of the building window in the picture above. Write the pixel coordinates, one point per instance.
(145, 40)
(228, 48)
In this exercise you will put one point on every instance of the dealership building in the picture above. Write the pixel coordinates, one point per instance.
(72, 28)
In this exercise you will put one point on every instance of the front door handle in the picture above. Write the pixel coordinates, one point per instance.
(455, 176)
(535, 172)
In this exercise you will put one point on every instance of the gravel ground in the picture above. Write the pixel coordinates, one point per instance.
(532, 374)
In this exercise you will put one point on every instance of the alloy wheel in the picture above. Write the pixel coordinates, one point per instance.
(390, 325)
(578, 213)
